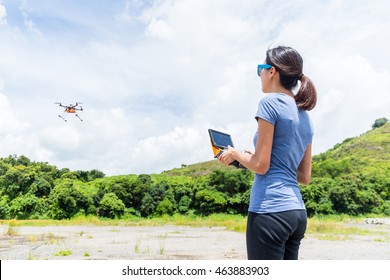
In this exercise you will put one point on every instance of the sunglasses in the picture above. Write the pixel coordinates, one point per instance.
(261, 67)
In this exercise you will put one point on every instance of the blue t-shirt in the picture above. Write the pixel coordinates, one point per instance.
(278, 190)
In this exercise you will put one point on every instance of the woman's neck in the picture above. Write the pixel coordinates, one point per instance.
(280, 89)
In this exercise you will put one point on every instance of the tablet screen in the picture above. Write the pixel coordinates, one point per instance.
(220, 139)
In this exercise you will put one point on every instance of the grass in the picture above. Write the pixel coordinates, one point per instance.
(320, 226)
(52, 238)
(328, 225)
(162, 243)
(136, 247)
(331, 237)
(383, 239)
(12, 231)
(63, 253)
(336, 228)
(231, 222)
(31, 256)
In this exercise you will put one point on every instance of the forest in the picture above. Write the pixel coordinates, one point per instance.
(351, 178)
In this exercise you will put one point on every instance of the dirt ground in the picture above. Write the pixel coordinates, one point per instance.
(174, 243)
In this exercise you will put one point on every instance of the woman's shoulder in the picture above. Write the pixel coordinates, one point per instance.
(269, 97)
(275, 98)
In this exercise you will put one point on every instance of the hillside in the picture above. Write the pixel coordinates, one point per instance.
(372, 145)
(365, 153)
(351, 178)
(198, 169)
(368, 153)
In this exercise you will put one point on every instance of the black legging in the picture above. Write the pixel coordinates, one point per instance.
(275, 236)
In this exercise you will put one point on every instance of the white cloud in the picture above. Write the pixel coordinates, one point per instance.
(13, 131)
(3, 14)
(9, 120)
(154, 76)
(179, 145)
(159, 29)
(352, 94)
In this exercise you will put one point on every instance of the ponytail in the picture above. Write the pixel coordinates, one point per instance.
(306, 98)
(289, 63)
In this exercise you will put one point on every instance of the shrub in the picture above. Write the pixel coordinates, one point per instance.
(111, 206)
(165, 207)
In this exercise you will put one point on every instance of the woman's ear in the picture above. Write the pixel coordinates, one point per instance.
(272, 72)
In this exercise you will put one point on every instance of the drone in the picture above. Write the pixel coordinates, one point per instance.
(70, 109)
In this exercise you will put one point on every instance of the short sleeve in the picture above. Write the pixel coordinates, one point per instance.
(268, 109)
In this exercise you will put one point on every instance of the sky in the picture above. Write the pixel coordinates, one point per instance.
(153, 76)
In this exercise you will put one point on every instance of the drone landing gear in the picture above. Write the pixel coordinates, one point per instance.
(79, 117)
(62, 117)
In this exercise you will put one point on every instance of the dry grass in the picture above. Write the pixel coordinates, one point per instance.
(319, 226)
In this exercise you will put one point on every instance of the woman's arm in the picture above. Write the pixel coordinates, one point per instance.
(304, 168)
(259, 161)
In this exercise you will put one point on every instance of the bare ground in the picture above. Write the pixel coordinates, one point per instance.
(175, 243)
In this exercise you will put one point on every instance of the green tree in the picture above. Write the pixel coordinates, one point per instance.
(148, 205)
(153, 197)
(40, 187)
(139, 188)
(379, 122)
(88, 176)
(316, 196)
(235, 185)
(331, 168)
(165, 207)
(3, 167)
(184, 204)
(4, 207)
(22, 160)
(111, 206)
(11, 182)
(122, 187)
(231, 182)
(27, 207)
(67, 199)
(210, 201)
(95, 174)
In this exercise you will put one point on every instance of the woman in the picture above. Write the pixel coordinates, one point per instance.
(282, 158)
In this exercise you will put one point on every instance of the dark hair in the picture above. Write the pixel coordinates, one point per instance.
(289, 63)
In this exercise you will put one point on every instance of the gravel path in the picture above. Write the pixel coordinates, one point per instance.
(175, 242)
